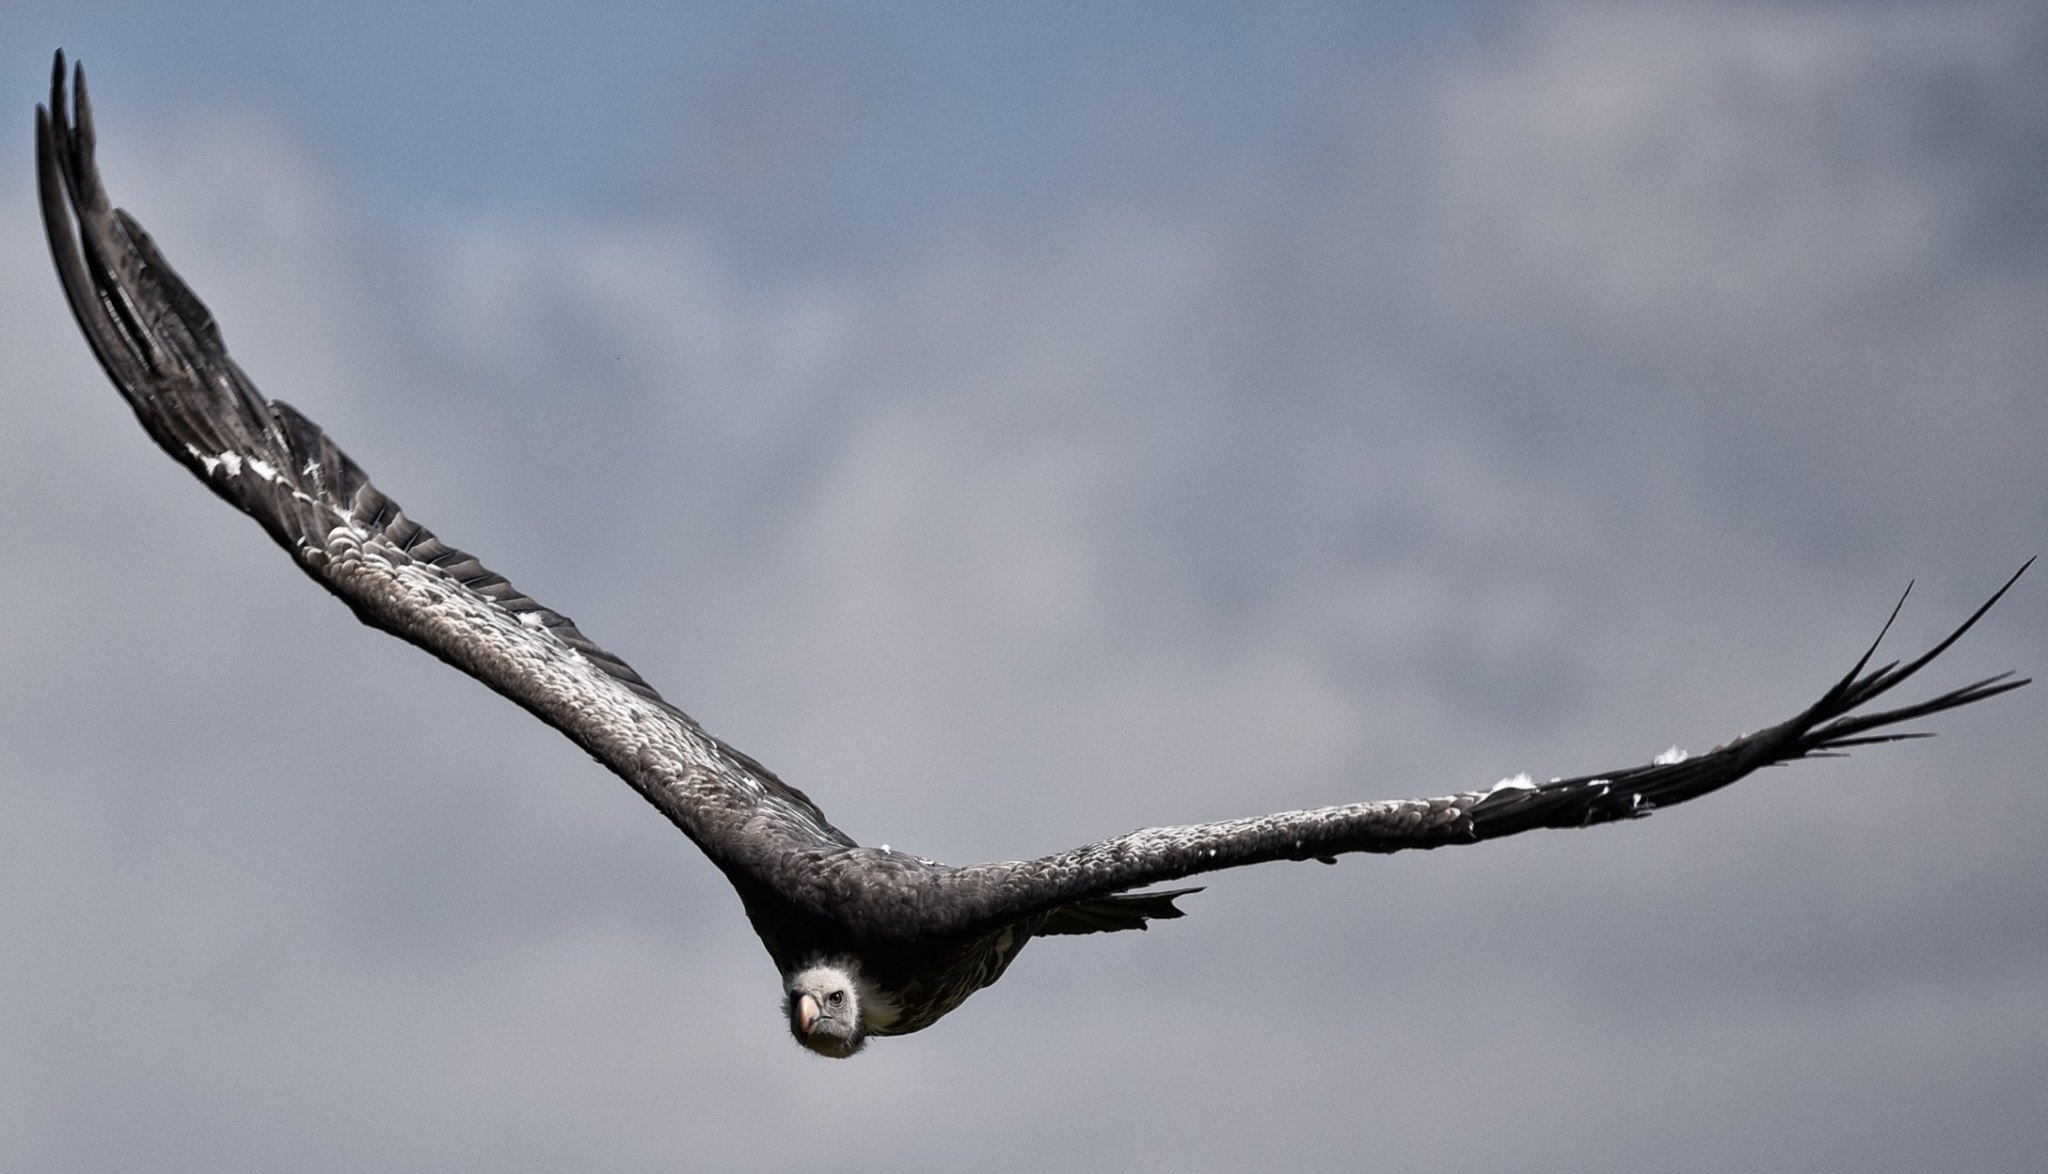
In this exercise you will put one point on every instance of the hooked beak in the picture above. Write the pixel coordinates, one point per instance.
(806, 1013)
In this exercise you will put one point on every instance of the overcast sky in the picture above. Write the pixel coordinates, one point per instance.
(1018, 429)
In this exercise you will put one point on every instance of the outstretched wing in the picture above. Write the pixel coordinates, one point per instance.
(995, 894)
(163, 351)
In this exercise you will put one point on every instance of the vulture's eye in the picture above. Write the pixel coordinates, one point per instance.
(836, 998)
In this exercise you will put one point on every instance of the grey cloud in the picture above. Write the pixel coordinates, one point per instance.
(1665, 350)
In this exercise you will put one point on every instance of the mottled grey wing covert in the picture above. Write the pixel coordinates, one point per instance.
(163, 350)
(1001, 892)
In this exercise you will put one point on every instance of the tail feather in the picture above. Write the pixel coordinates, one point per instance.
(1114, 912)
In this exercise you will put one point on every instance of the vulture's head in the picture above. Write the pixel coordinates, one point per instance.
(824, 1011)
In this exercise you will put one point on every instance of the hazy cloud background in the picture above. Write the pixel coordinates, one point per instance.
(1017, 429)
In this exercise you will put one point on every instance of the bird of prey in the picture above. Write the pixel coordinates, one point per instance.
(868, 941)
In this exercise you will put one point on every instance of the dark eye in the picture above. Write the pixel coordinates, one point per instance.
(836, 998)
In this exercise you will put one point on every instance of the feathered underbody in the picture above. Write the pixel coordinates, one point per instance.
(869, 941)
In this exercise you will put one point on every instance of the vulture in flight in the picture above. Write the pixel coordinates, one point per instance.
(869, 941)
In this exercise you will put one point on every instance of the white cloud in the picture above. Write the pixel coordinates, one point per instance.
(1670, 170)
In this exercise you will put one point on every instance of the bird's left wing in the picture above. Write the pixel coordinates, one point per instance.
(999, 893)
(162, 349)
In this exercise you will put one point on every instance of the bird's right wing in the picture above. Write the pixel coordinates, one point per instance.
(1000, 893)
(163, 351)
